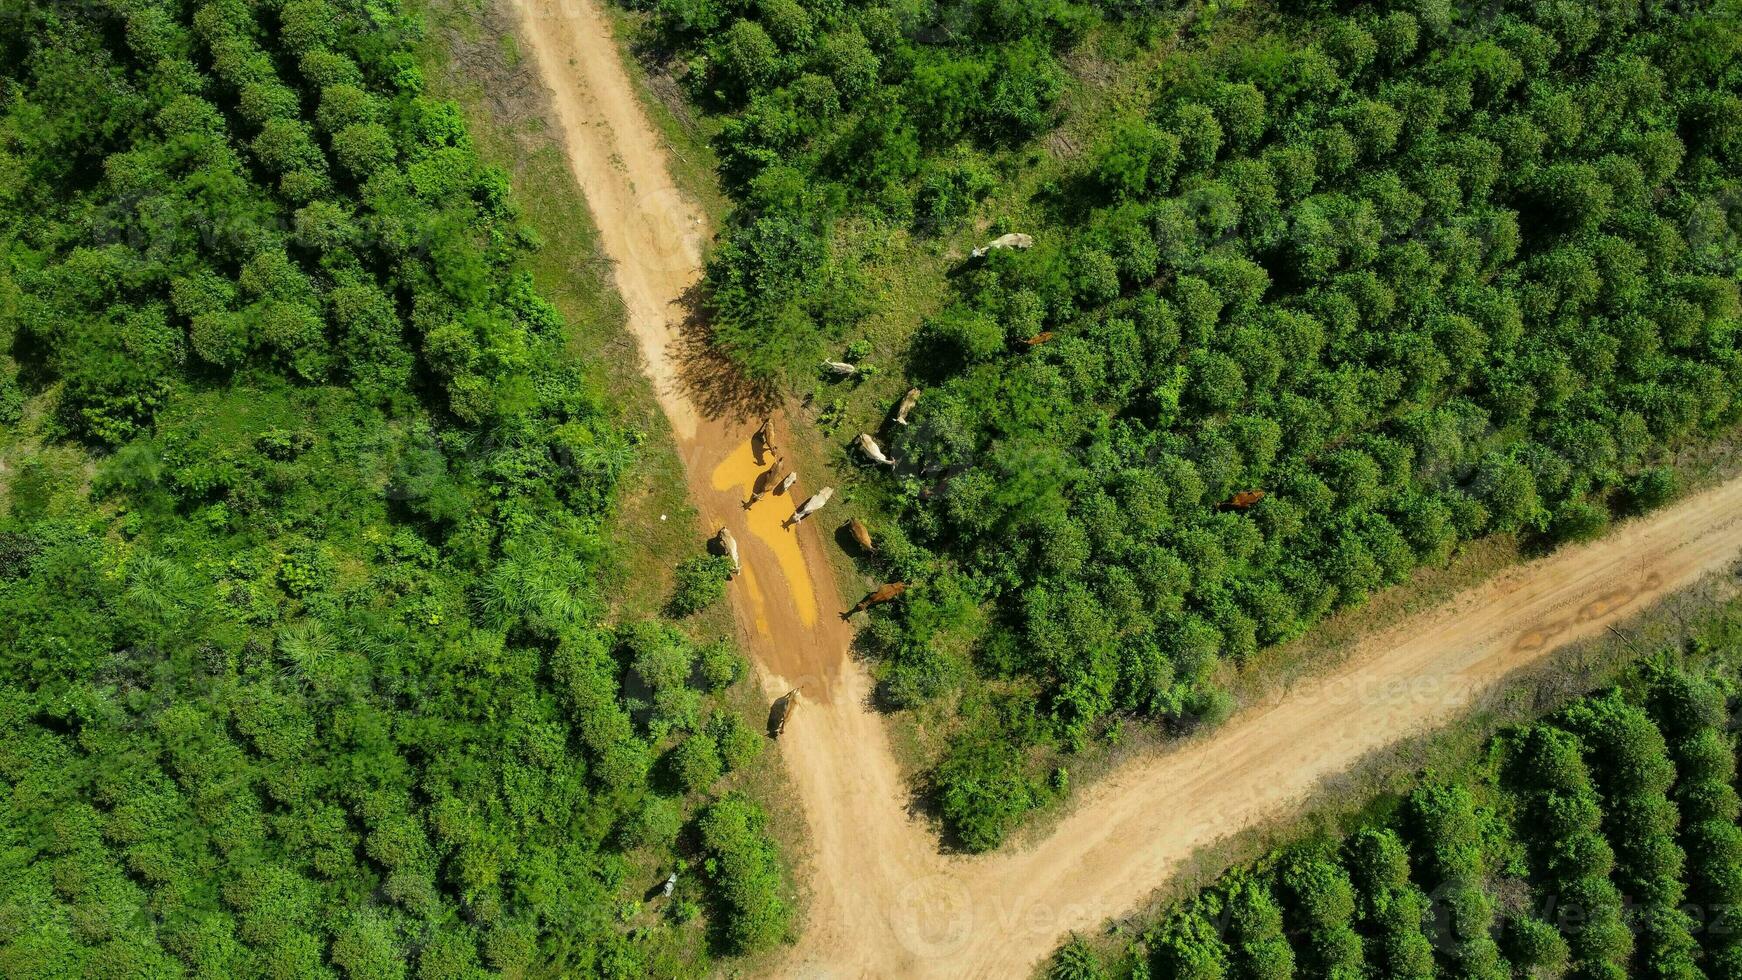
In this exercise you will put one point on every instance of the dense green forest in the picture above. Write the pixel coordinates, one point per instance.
(1600, 842)
(307, 664)
(1418, 272)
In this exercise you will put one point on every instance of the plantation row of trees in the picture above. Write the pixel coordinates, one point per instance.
(1599, 843)
(1418, 275)
(306, 663)
(1421, 272)
(886, 111)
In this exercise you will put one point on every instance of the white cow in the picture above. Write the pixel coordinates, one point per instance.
(1012, 240)
(812, 505)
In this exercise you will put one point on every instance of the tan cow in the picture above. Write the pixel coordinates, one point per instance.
(861, 534)
(907, 402)
(728, 546)
(873, 451)
(1015, 240)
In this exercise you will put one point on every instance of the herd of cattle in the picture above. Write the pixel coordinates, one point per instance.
(778, 480)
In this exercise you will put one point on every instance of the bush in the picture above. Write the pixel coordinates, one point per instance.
(1578, 520)
(696, 762)
(701, 582)
(747, 57)
(1535, 945)
(738, 745)
(745, 875)
(983, 790)
(656, 825)
(949, 189)
(11, 397)
(1075, 961)
(1135, 158)
(720, 665)
(1256, 932)
(659, 655)
(1651, 488)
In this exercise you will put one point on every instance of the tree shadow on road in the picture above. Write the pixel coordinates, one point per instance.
(707, 377)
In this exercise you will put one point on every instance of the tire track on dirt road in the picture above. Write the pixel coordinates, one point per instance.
(883, 901)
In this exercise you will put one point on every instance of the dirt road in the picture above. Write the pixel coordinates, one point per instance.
(884, 902)
(788, 608)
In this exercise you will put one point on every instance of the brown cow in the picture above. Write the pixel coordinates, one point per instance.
(882, 594)
(780, 712)
(763, 437)
(1245, 499)
(861, 534)
(764, 482)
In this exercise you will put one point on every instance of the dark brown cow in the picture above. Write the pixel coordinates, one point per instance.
(882, 594)
(762, 440)
(780, 712)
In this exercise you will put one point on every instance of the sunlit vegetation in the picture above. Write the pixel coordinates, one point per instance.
(306, 664)
(1600, 842)
(1418, 272)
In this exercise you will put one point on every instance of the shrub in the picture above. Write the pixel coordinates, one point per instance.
(745, 875)
(1075, 961)
(656, 825)
(738, 745)
(1578, 520)
(720, 665)
(696, 762)
(1652, 488)
(748, 59)
(983, 789)
(701, 582)
(1256, 932)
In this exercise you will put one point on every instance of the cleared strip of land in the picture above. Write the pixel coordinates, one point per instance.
(884, 902)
